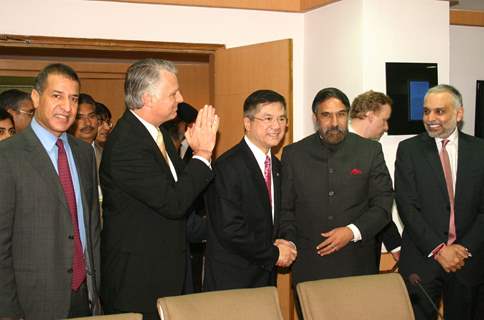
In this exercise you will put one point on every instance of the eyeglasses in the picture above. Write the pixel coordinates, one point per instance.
(270, 120)
(29, 113)
(90, 116)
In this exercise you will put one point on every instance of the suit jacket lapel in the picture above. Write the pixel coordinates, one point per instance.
(276, 178)
(431, 154)
(464, 154)
(41, 162)
(257, 175)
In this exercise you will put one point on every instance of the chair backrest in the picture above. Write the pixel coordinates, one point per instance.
(122, 316)
(238, 304)
(374, 297)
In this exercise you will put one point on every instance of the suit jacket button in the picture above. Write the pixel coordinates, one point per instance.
(331, 170)
(71, 237)
(331, 193)
(330, 217)
(69, 270)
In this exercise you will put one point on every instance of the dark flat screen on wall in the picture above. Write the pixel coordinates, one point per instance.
(479, 126)
(407, 84)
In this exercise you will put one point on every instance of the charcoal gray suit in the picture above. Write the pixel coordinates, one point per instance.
(36, 232)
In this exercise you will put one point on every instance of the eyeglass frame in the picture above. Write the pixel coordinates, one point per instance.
(270, 120)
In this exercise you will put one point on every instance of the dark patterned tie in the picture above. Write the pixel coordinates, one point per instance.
(267, 177)
(78, 264)
(444, 158)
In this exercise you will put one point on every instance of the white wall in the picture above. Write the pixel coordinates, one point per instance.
(467, 66)
(128, 21)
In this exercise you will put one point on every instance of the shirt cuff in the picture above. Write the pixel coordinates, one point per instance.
(436, 250)
(207, 163)
(356, 232)
(397, 249)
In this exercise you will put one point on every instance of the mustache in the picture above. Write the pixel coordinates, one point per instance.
(335, 130)
(86, 129)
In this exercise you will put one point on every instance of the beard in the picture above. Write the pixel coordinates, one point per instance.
(445, 131)
(333, 135)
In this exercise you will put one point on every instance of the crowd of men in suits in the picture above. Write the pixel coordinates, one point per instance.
(323, 210)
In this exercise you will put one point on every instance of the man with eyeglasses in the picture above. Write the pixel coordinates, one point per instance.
(336, 195)
(243, 249)
(19, 105)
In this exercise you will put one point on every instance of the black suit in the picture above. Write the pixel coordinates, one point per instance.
(328, 186)
(423, 204)
(240, 251)
(143, 239)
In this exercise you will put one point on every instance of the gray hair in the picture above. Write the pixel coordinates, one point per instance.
(143, 76)
(441, 88)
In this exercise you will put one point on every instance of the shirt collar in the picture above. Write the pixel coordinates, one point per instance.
(47, 139)
(453, 138)
(151, 128)
(259, 155)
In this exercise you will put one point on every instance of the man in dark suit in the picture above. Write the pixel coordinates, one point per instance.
(49, 218)
(147, 191)
(439, 183)
(369, 116)
(336, 195)
(244, 201)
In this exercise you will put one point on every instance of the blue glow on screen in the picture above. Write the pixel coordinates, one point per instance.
(417, 93)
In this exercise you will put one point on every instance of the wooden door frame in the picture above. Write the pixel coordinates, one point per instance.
(80, 47)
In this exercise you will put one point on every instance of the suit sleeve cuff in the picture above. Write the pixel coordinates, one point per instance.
(207, 163)
(356, 232)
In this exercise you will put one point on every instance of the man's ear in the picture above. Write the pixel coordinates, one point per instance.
(370, 115)
(460, 114)
(35, 95)
(147, 99)
(247, 124)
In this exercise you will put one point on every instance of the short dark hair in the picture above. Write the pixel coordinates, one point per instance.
(10, 99)
(261, 97)
(102, 111)
(5, 115)
(54, 68)
(87, 99)
(328, 93)
(368, 101)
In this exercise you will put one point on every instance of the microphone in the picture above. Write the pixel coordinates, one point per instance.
(415, 280)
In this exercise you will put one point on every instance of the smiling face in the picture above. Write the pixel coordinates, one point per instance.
(56, 105)
(441, 116)
(86, 124)
(267, 126)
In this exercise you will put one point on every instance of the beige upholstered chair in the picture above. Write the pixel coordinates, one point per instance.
(123, 316)
(239, 304)
(375, 297)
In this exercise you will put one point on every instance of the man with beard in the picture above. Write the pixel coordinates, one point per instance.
(439, 183)
(336, 195)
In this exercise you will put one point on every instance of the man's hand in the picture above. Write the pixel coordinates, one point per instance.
(452, 257)
(287, 253)
(203, 134)
(335, 240)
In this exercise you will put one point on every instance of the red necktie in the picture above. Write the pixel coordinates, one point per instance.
(267, 177)
(78, 264)
(444, 159)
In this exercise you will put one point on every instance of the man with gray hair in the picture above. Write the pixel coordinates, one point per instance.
(439, 184)
(147, 191)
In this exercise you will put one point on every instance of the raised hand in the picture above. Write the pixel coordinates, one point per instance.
(203, 134)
